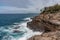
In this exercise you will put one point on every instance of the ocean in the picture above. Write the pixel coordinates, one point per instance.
(14, 26)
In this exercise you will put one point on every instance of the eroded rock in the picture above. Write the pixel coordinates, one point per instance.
(47, 36)
(45, 22)
(49, 22)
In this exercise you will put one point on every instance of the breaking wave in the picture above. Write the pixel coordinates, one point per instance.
(19, 31)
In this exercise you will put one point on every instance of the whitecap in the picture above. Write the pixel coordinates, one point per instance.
(27, 33)
(27, 19)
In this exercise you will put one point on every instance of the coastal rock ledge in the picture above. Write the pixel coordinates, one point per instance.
(49, 22)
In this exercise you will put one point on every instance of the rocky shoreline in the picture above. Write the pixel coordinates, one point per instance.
(47, 36)
(49, 22)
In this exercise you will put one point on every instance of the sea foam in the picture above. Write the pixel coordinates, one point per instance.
(29, 33)
(22, 27)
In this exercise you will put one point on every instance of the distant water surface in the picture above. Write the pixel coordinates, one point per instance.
(8, 19)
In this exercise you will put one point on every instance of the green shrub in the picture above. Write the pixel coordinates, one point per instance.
(52, 9)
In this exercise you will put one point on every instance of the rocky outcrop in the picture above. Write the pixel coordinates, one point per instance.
(49, 22)
(47, 36)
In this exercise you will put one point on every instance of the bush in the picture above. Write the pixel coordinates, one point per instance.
(52, 9)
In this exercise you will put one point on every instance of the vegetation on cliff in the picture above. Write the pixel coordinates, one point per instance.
(49, 22)
(52, 9)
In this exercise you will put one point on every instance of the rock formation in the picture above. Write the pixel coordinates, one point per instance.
(48, 21)
(47, 36)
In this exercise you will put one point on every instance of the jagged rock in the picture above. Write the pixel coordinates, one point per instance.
(49, 22)
(47, 36)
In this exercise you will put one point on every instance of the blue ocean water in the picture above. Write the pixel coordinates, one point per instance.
(13, 26)
(8, 19)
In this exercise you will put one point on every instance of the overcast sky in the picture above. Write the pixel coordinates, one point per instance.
(24, 6)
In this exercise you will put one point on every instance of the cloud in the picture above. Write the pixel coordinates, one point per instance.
(8, 9)
(24, 6)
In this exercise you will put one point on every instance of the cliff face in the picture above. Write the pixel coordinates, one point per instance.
(47, 36)
(49, 22)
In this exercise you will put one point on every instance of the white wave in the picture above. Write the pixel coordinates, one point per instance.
(8, 37)
(29, 33)
(28, 19)
(21, 27)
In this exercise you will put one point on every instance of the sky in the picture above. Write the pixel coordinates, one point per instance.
(25, 6)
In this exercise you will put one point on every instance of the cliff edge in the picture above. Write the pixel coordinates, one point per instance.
(49, 22)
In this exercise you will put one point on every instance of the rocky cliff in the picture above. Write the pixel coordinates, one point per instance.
(49, 22)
